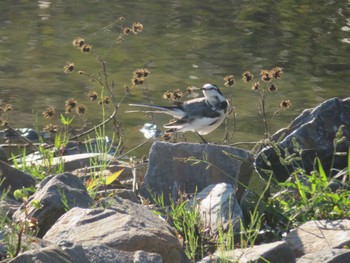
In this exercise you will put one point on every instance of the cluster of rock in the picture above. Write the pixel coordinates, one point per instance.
(119, 228)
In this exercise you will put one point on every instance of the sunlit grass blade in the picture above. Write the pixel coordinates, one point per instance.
(66, 121)
(322, 173)
(111, 178)
(312, 180)
(91, 183)
(300, 189)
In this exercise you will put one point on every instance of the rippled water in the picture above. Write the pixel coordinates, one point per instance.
(184, 43)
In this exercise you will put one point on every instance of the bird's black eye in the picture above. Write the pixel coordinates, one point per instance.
(216, 88)
(212, 87)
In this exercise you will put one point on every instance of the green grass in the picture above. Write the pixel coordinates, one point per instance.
(311, 196)
(18, 235)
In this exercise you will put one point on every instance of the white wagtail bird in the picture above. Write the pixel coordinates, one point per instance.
(201, 115)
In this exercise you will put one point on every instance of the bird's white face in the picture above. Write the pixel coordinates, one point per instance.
(212, 93)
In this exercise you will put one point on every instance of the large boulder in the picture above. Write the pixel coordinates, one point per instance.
(56, 194)
(190, 167)
(124, 226)
(309, 136)
(319, 236)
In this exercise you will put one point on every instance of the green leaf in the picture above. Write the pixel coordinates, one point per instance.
(57, 141)
(36, 204)
(111, 178)
(322, 172)
(301, 189)
(337, 210)
(18, 194)
(66, 121)
(334, 197)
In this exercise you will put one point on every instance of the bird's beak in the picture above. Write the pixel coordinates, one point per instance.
(195, 88)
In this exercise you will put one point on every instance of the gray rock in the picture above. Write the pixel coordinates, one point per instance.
(52, 254)
(314, 131)
(167, 174)
(125, 226)
(317, 236)
(110, 200)
(328, 256)
(76, 251)
(51, 193)
(276, 252)
(9, 207)
(3, 155)
(218, 207)
(127, 194)
(44, 251)
(14, 179)
(105, 254)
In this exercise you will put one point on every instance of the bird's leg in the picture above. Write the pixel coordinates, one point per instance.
(204, 141)
(174, 137)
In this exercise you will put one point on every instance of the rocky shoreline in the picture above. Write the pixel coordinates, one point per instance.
(120, 226)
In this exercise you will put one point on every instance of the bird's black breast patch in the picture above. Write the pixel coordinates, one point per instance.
(222, 105)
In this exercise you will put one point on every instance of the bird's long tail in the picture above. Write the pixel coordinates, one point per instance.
(170, 110)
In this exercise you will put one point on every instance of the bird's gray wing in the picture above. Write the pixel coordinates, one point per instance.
(200, 108)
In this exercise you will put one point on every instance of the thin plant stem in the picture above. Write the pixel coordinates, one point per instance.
(263, 112)
(133, 149)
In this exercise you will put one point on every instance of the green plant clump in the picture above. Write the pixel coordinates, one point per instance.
(312, 196)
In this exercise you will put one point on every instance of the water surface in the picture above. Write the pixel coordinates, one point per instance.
(184, 43)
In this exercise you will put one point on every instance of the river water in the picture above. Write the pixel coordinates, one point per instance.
(183, 43)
